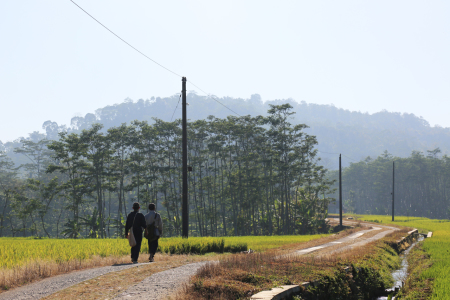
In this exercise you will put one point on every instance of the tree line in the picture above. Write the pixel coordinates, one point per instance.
(250, 176)
(422, 185)
(356, 134)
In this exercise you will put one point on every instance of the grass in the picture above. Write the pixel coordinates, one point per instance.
(16, 252)
(263, 243)
(22, 251)
(437, 248)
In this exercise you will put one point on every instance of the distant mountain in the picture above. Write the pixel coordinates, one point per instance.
(354, 134)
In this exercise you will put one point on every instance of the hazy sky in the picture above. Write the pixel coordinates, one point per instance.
(56, 62)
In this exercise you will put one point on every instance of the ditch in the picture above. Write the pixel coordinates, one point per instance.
(401, 274)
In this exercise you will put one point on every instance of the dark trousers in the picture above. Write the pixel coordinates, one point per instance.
(153, 246)
(136, 249)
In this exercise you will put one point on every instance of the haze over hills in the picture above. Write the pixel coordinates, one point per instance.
(354, 134)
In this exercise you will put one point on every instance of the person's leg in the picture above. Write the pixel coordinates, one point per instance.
(150, 258)
(152, 247)
(134, 252)
(156, 246)
(138, 237)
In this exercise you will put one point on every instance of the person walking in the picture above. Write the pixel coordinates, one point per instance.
(135, 222)
(154, 230)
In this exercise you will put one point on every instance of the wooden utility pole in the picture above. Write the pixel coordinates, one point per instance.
(185, 206)
(340, 191)
(393, 188)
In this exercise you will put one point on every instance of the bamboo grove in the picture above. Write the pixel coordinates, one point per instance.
(422, 185)
(250, 176)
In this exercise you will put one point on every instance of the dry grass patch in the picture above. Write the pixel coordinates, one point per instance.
(40, 269)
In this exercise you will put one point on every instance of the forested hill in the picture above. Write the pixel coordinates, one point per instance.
(355, 134)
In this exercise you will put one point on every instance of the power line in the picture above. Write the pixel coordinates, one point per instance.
(327, 152)
(349, 157)
(337, 154)
(140, 52)
(175, 108)
(134, 48)
(213, 97)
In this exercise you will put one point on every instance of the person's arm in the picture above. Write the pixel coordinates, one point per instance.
(127, 225)
(143, 222)
(160, 225)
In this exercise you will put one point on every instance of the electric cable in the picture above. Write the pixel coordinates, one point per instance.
(213, 97)
(328, 152)
(154, 61)
(175, 108)
(140, 52)
(349, 157)
(338, 153)
(134, 48)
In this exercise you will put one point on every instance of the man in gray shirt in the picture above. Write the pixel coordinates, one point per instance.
(153, 220)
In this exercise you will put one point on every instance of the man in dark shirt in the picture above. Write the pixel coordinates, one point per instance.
(138, 226)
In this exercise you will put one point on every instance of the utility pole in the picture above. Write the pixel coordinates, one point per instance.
(185, 206)
(340, 191)
(393, 188)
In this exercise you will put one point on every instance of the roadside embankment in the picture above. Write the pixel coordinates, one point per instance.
(361, 277)
(406, 241)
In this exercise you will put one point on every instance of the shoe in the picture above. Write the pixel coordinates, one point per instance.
(151, 259)
(134, 262)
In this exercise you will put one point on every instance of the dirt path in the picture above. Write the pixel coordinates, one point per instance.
(352, 241)
(48, 286)
(160, 285)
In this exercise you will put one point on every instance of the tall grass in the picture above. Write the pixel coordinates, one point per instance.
(199, 245)
(438, 247)
(262, 243)
(22, 251)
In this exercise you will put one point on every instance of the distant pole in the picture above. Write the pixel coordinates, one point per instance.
(185, 207)
(393, 188)
(340, 191)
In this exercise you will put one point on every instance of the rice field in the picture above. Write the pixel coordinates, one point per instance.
(15, 252)
(262, 243)
(438, 247)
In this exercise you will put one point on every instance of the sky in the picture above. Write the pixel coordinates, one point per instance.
(57, 63)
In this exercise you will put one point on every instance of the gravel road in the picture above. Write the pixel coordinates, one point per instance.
(161, 285)
(358, 239)
(51, 285)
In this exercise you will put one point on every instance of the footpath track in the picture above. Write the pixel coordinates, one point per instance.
(48, 286)
(352, 241)
(160, 285)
